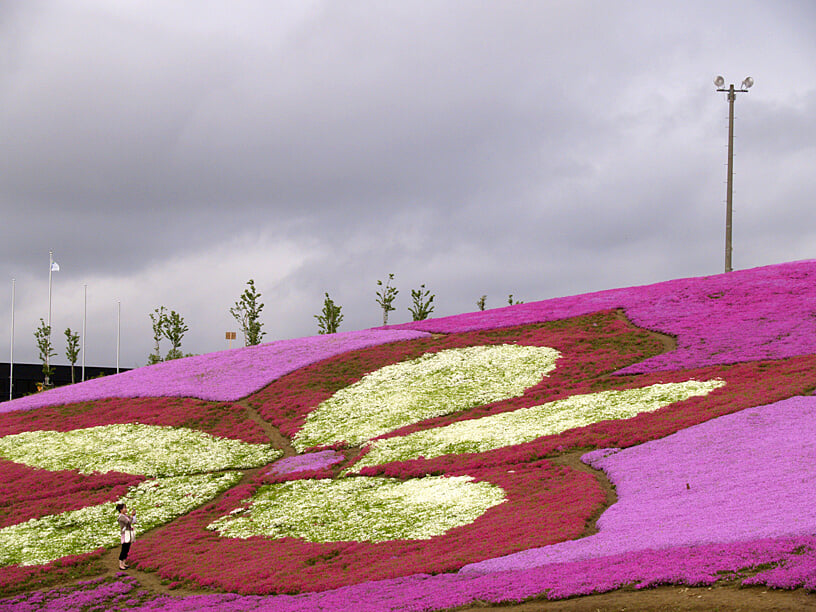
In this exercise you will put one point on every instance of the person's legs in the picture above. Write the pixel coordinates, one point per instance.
(123, 555)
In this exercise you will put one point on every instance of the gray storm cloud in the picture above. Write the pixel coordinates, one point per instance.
(168, 153)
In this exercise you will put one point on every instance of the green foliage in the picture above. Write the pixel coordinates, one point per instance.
(157, 319)
(174, 330)
(329, 320)
(385, 298)
(247, 312)
(511, 302)
(422, 303)
(43, 337)
(168, 325)
(71, 350)
(480, 303)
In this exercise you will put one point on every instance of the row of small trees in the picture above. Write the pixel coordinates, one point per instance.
(247, 313)
(42, 335)
(170, 325)
(328, 321)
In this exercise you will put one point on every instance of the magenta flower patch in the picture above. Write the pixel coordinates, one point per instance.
(793, 561)
(763, 313)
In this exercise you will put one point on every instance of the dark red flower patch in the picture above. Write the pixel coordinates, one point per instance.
(592, 347)
(747, 385)
(546, 504)
(225, 419)
(27, 492)
(17, 579)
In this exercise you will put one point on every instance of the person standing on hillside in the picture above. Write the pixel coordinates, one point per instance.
(126, 532)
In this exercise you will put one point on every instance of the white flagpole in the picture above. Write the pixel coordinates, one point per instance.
(11, 358)
(118, 328)
(84, 318)
(50, 268)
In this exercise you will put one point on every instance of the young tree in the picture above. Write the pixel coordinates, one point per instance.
(157, 318)
(422, 307)
(385, 298)
(43, 337)
(480, 303)
(174, 330)
(511, 302)
(71, 350)
(247, 312)
(329, 320)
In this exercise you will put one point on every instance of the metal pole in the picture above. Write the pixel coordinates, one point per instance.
(747, 83)
(48, 349)
(730, 184)
(11, 358)
(84, 318)
(50, 265)
(118, 328)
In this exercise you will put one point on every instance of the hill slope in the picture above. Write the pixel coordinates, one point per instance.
(435, 464)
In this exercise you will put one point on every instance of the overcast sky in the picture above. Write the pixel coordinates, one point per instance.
(168, 151)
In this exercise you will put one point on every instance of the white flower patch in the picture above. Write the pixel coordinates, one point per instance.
(527, 424)
(133, 448)
(361, 509)
(156, 502)
(431, 385)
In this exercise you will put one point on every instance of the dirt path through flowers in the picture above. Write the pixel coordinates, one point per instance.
(572, 459)
(277, 439)
(151, 580)
(669, 342)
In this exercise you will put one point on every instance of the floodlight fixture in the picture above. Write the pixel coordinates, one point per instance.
(747, 83)
(719, 81)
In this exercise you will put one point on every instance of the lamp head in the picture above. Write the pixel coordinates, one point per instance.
(719, 81)
(746, 84)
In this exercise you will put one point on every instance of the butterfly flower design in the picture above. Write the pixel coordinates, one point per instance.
(186, 468)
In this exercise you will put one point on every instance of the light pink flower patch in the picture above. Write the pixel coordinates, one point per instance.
(744, 476)
(222, 376)
(306, 463)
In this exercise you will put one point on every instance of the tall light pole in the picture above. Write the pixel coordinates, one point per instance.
(118, 330)
(11, 357)
(732, 95)
(84, 319)
(53, 266)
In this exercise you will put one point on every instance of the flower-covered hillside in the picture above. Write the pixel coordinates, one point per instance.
(432, 471)
(222, 376)
(762, 313)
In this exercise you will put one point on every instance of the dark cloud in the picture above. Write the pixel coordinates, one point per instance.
(170, 152)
